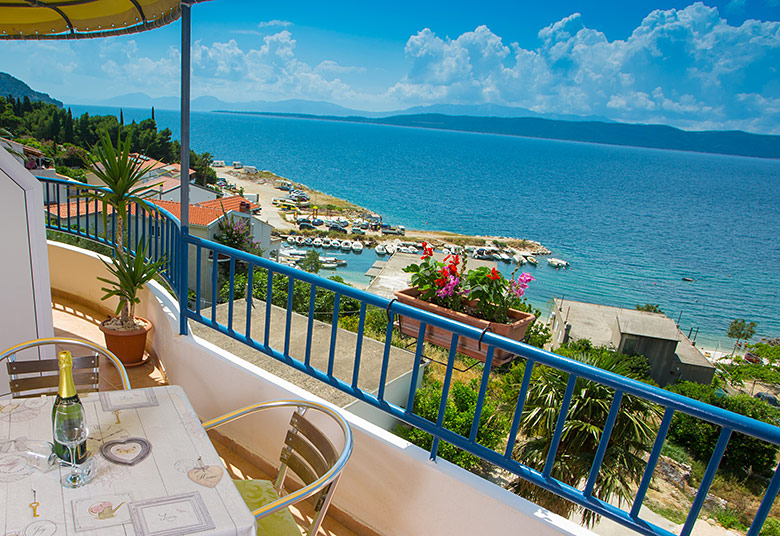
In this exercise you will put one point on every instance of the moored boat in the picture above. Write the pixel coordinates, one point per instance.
(335, 243)
(557, 263)
(317, 242)
(291, 240)
(532, 260)
(389, 249)
(357, 246)
(380, 249)
(346, 245)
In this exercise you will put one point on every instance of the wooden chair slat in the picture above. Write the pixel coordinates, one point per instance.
(297, 466)
(317, 438)
(49, 365)
(304, 449)
(84, 381)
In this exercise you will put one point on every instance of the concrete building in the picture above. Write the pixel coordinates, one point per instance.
(671, 355)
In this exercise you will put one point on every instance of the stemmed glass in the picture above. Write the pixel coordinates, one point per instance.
(70, 429)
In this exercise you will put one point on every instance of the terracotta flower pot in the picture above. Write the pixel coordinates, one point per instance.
(128, 346)
(466, 345)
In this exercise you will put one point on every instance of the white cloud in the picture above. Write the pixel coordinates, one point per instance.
(275, 22)
(682, 67)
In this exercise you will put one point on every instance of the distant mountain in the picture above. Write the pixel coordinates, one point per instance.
(733, 142)
(307, 107)
(10, 85)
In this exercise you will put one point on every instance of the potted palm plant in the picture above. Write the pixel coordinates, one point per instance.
(126, 333)
(481, 298)
(122, 174)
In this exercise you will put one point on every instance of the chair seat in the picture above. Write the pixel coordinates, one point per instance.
(257, 493)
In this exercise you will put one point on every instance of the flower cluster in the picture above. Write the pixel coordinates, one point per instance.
(481, 292)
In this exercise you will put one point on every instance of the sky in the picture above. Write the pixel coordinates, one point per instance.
(711, 65)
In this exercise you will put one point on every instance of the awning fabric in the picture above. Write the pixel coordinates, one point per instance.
(75, 19)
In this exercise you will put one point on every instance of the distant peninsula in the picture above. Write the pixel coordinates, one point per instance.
(731, 142)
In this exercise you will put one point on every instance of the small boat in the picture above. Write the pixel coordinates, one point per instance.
(329, 265)
(335, 244)
(326, 242)
(446, 251)
(341, 262)
(403, 249)
(689, 279)
(380, 249)
(308, 242)
(291, 240)
(328, 259)
(294, 252)
(412, 249)
(519, 259)
(557, 263)
(505, 257)
(299, 239)
(346, 245)
(357, 247)
(389, 249)
(532, 260)
(317, 242)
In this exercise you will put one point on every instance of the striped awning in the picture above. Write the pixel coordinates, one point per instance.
(77, 19)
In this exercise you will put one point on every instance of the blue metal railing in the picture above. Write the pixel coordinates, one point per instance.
(157, 228)
(234, 261)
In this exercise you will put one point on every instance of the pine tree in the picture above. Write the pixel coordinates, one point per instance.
(121, 117)
(68, 134)
(152, 113)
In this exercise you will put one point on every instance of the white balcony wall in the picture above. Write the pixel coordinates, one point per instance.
(389, 486)
(25, 299)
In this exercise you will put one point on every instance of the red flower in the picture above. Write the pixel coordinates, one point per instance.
(494, 274)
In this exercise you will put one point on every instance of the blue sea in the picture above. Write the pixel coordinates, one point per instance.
(631, 222)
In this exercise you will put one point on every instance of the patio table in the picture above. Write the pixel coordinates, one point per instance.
(156, 472)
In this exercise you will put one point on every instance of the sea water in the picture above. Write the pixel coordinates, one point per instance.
(631, 222)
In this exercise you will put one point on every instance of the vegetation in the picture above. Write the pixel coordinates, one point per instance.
(458, 417)
(638, 365)
(649, 307)
(740, 330)
(65, 138)
(311, 262)
(634, 431)
(744, 455)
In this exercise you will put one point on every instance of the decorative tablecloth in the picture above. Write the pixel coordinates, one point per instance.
(157, 473)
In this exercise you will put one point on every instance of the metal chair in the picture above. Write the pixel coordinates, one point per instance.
(41, 376)
(309, 454)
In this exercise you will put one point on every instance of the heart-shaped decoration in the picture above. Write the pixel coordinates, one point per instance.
(206, 475)
(128, 451)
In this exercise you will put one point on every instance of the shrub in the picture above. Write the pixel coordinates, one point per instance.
(771, 527)
(744, 453)
(458, 417)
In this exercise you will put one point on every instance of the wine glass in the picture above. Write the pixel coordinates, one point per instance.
(70, 429)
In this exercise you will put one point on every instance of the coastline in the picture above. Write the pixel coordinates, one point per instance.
(262, 183)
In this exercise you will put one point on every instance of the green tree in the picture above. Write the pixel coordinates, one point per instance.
(634, 431)
(311, 262)
(739, 329)
(649, 307)
(744, 453)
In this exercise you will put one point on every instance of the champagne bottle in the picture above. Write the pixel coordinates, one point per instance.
(68, 398)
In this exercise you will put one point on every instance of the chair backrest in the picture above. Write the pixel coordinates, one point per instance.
(41, 376)
(307, 452)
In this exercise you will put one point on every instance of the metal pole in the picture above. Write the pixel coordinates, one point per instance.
(186, 25)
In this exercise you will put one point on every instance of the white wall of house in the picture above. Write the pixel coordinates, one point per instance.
(25, 296)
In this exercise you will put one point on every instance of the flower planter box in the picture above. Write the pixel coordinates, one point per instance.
(466, 345)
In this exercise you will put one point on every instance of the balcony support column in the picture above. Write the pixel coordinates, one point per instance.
(186, 27)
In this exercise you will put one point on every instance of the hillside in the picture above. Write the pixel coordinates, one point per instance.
(10, 85)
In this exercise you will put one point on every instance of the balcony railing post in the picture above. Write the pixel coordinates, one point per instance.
(183, 285)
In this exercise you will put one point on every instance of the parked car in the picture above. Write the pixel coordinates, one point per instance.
(336, 227)
(357, 231)
(317, 222)
(306, 225)
(768, 398)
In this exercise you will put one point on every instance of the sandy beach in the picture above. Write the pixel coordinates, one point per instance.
(263, 185)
